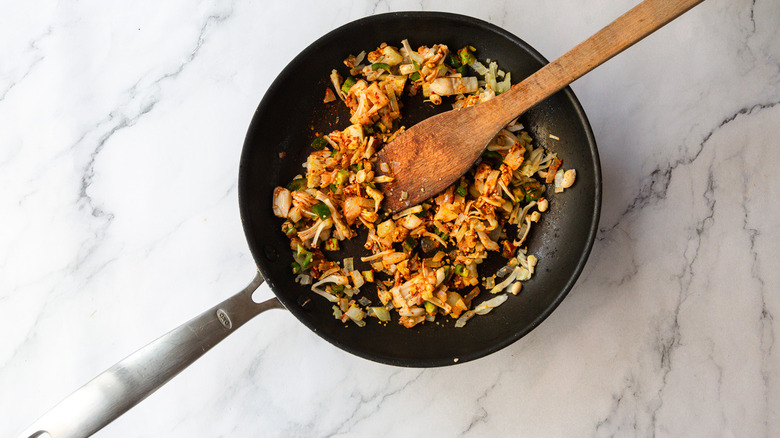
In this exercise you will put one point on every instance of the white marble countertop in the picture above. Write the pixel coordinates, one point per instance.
(121, 125)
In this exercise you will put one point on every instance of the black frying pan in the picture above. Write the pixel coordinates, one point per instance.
(292, 111)
(278, 142)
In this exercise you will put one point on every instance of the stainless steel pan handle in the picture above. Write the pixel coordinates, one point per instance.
(125, 384)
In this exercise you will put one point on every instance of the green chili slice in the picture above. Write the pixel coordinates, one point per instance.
(332, 244)
(341, 177)
(297, 185)
(494, 157)
(348, 83)
(380, 65)
(409, 244)
(453, 61)
(321, 210)
(533, 190)
(461, 190)
(319, 143)
(467, 55)
(304, 256)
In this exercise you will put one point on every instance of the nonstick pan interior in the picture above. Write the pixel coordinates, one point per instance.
(278, 142)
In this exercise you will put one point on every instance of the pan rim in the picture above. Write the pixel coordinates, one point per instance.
(487, 349)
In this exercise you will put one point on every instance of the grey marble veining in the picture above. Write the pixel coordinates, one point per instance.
(121, 126)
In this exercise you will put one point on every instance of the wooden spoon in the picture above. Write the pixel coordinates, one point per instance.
(433, 154)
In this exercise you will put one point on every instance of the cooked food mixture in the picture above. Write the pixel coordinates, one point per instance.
(423, 260)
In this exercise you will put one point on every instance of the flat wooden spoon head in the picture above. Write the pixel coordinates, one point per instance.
(433, 154)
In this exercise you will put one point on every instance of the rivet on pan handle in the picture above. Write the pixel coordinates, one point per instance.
(125, 384)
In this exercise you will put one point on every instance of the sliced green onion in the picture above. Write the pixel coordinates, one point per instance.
(460, 270)
(380, 65)
(321, 210)
(430, 307)
(415, 76)
(297, 185)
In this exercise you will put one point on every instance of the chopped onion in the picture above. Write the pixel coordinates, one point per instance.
(413, 312)
(407, 212)
(479, 68)
(357, 279)
(523, 275)
(440, 276)
(464, 318)
(504, 85)
(376, 256)
(487, 306)
(364, 301)
(450, 86)
(500, 286)
(337, 279)
(508, 268)
(406, 69)
(359, 58)
(324, 294)
(304, 279)
(349, 264)
(356, 315)
(381, 313)
(558, 181)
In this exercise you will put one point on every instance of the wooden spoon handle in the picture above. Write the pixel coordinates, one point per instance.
(617, 36)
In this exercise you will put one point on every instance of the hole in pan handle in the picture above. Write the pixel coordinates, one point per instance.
(119, 388)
